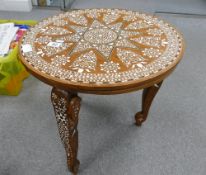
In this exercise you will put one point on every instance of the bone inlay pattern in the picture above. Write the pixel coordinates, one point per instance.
(101, 46)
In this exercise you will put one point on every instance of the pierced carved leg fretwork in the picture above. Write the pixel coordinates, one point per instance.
(66, 107)
(147, 98)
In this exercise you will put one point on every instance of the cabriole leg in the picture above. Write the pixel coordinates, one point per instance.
(147, 98)
(66, 107)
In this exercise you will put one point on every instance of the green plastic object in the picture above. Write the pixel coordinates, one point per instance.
(12, 72)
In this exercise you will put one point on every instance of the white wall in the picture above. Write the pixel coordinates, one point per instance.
(15, 5)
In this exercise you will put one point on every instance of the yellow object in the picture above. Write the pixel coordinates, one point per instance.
(12, 72)
(42, 2)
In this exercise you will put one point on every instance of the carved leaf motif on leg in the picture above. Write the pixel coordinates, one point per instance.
(67, 107)
(73, 111)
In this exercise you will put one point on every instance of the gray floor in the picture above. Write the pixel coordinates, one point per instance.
(171, 142)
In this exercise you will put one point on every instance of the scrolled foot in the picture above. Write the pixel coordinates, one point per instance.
(139, 118)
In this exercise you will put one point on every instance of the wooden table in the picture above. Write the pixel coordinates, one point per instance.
(99, 51)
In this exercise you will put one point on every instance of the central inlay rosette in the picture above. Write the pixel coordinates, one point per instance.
(100, 36)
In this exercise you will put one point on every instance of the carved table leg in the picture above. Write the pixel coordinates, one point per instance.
(66, 107)
(147, 98)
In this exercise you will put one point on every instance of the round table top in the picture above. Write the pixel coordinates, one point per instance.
(101, 50)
